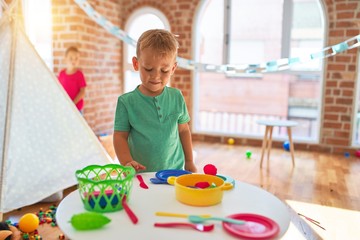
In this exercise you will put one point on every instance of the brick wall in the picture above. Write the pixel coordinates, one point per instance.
(340, 76)
(101, 52)
(100, 57)
(102, 62)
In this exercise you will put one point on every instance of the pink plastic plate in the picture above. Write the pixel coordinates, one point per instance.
(256, 226)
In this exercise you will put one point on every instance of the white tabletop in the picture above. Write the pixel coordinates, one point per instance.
(277, 123)
(243, 198)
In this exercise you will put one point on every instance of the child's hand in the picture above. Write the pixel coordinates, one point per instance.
(137, 166)
(16, 234)
(190, 166)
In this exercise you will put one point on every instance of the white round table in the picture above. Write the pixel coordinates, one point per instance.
(243, 198)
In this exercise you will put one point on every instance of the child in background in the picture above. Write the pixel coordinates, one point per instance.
(72, 78)
(151, 130)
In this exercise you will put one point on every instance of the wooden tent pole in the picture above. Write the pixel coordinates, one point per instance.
(14, 26)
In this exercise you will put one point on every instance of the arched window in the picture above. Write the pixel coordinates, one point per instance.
(38, 27)
(251, 32)
(140, 21)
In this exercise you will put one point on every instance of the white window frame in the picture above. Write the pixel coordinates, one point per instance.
(145, 10)
(287, 16)
(356, 104)
(30, 27)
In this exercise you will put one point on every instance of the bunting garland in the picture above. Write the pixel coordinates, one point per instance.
(270, 66)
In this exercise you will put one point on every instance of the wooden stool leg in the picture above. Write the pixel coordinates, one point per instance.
(270, 142)
(291, 145)
(264, 144)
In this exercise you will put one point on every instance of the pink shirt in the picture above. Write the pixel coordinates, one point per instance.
(72, 84)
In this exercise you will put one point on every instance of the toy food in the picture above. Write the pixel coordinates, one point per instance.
(89, 221)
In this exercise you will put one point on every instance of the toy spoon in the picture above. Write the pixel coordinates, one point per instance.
(199, 219)
(142, 182)
(198, 227)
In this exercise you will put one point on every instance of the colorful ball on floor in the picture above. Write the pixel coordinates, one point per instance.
(248, 154)
(28, 223)
(286, 145)
(357, 153)
(231, 141)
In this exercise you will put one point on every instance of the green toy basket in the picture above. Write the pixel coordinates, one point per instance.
(102, 188)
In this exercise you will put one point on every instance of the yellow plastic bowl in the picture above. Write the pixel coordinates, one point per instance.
(186, 192)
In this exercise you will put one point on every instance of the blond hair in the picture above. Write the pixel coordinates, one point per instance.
(160, 40)
(71, 49)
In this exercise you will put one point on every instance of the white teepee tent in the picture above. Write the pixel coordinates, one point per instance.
(43, 137)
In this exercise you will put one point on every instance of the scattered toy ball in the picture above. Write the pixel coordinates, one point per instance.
(28, 223)
(248, 154)
(286, 145)
(43, 217)
(357, 153)
(231, 141)
(210, 169)
(346, 154)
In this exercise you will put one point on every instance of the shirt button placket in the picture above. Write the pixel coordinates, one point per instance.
(158, 109)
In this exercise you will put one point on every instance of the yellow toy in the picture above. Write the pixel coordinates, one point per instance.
(231, 141)
(28, 223)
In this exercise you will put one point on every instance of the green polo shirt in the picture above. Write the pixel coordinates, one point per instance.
(152, 123)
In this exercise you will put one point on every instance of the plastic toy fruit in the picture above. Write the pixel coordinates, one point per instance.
(89, 221)
(202, 185)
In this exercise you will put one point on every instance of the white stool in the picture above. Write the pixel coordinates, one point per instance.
(270, 124)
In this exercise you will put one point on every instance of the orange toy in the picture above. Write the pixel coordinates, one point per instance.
(28, 223)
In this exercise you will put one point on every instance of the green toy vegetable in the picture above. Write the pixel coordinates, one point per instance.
(89, 221)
